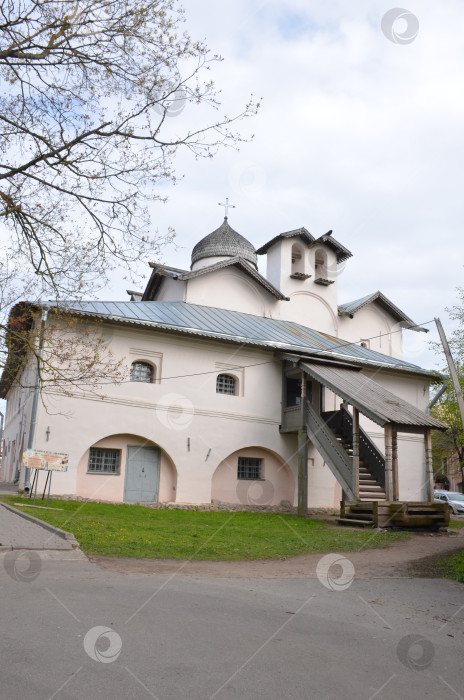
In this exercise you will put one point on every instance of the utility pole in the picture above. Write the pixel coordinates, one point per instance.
(452, 369)
(453, 373)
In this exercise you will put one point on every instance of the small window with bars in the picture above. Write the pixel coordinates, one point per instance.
(103, 461)
(249, 468)
(225, 384)
(142, 372)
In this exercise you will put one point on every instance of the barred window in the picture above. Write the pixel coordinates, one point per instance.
(103, 461)
(142, 372)
(225, 384)
(249, 468)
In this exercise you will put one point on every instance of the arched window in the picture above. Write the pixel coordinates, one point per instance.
(321, 269)
(225, 384)
(297, 260)
(142, 372)
(320, 263)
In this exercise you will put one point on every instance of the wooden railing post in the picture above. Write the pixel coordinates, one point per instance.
(388, 461)
(429, 482)
(396, 487)
(303, 454)
(356, 452)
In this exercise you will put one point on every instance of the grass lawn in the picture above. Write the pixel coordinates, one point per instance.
(134, 531)
(451, 566)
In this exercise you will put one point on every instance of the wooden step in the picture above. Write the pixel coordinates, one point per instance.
(355, 523)
(362, 511)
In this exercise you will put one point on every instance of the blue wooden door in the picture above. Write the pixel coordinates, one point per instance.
(142, 474)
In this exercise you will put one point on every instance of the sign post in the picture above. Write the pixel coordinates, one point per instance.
(45, 461)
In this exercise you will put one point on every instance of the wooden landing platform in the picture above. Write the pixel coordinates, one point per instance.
(407, 514)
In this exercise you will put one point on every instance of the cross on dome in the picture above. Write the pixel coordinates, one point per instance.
(226, 206)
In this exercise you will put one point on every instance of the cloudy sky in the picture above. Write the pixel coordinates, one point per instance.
(360, 131)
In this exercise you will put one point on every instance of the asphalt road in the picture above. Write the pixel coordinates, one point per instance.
(72, 630)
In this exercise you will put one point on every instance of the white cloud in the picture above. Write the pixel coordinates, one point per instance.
(356, 134)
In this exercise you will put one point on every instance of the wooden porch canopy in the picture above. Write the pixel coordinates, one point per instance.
(387, 410)
(373, 400)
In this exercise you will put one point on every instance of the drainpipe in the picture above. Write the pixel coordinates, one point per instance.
(35, 400)
(1, 434)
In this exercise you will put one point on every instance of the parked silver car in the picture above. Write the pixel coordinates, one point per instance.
(454, 498)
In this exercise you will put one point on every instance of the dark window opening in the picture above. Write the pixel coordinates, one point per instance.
(225, 384)
(141, 372)
(249, 468)
(103, 461)
(293, 391)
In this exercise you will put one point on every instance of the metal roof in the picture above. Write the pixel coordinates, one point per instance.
(351, 307)
(237, 327)
(372, 399)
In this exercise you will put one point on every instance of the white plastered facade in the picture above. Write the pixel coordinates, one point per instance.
(201, 434)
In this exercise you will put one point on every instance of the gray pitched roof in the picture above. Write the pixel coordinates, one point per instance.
(237, 327)
(351, 307)
(341, 252)
(157, 276)
(302, 233)
(224, 241)
(372, 399)
(242, 265)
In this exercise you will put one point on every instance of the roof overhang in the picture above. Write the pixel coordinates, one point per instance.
(301, 233)
(340, 251)
(242, 265)
(370, 398)
(351, 308)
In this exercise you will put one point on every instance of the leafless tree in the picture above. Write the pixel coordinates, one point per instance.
(88, 92)
(92, 98)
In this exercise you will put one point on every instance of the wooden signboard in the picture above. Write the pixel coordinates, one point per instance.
(48, 461)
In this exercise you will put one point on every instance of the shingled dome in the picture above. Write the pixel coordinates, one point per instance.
(224, 242)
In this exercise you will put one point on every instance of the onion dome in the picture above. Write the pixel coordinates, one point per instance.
(224, 242)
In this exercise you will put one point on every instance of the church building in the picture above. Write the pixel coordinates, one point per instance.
(239, 388)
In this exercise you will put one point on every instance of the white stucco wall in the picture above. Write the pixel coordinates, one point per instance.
(373, 326)
(201, 433)
(195, 427)
(232, 289)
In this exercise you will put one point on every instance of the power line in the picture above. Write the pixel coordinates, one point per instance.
(268, 362)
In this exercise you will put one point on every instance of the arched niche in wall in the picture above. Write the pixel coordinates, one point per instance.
(253, 476)
(298, 262)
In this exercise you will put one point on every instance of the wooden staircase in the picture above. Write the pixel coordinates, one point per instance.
(407, 514)
(370, 488)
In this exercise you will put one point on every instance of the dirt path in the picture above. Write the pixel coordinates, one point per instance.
(393, 561)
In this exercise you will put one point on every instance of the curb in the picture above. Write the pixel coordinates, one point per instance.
(68, 536)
